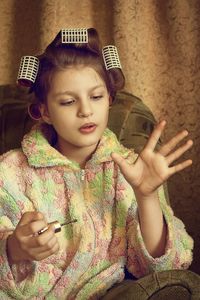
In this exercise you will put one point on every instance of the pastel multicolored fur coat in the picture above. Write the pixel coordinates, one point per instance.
(107, 237)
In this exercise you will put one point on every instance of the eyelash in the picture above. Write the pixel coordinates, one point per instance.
(70, 102)
(97, 97)
(67, 103)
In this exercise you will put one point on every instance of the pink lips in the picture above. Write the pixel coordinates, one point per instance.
(88, 128)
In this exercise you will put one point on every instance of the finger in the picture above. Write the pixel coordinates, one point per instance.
(175, 155)
(129, 171)
(30, 229)
(44, 238)
(40, 254)
(39, 240)
(180, 167)
(154, 138)
(30, 216)
(48, 253)
(120, 161)
(45, 242)
(168, 147)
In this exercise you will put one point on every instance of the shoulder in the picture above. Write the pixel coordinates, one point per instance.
(12, 159)
(117, 146)
(109, 144)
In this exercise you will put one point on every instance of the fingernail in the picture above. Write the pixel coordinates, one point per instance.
(190, 142)
(163, 122)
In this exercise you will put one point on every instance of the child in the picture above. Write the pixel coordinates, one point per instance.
(72, 168)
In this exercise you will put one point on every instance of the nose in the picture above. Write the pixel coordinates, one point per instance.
(85, 109)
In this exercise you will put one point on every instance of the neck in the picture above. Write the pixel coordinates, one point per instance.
(79, 155)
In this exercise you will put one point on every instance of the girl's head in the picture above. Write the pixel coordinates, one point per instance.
(73, 89)
(59, 56)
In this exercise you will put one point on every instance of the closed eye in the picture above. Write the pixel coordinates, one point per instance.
(67, 102)
(98, 97)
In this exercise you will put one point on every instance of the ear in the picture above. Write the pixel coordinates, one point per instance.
(45, 113)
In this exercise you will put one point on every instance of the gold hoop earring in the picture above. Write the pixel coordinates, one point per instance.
(34, 112)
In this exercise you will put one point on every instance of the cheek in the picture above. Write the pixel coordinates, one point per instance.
(62, 120)
(103, 117)
(57, 113)
(104, 107)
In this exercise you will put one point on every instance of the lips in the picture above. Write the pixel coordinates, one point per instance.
(88, 128)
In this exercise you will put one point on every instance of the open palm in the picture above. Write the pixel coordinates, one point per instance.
(152, 167)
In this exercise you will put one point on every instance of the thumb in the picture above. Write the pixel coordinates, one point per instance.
(119, 160)
(128, 170)
(125, 167)
(30, 216)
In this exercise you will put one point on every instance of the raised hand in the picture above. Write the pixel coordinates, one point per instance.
(26, 244)
(153, 167)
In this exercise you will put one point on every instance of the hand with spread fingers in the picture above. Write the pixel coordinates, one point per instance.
(152, 168)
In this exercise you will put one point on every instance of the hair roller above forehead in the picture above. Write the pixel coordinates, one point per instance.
(28, 70)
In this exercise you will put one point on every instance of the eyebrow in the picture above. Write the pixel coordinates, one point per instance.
(74, 93)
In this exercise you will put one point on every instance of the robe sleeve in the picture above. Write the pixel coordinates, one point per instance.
(179, 245)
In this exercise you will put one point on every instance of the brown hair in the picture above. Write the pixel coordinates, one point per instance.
(58, 56)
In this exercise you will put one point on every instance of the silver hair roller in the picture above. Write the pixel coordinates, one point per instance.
(111, 57)
(74, 36)
(28, 70)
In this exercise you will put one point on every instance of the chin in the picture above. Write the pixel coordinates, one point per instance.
(88, 142)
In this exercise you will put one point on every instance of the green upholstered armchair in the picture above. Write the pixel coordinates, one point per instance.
(132, 121)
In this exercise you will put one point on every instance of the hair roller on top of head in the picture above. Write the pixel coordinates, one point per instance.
(111, 57)
(73, 36)
(28, 70)
(78, 38)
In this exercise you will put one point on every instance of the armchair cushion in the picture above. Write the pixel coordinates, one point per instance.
(14, 118)
(131, 120)
(167, 285)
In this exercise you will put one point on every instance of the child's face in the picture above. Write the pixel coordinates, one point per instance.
(77, 107)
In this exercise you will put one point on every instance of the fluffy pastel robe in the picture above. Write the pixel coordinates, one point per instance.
(107, 237)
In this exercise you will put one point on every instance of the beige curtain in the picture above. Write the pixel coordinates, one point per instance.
(159, 46)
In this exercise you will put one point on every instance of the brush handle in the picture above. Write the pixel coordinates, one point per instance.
(57, 227)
